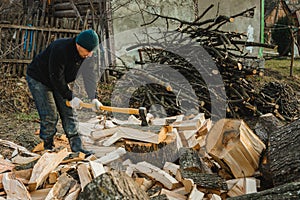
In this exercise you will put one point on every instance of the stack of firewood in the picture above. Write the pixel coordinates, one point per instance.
(178, 157)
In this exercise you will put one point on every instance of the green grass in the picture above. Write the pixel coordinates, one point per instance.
(283, 66)
(279, 70)
(27, 116)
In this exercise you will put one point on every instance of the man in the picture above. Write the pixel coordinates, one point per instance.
(48, 76)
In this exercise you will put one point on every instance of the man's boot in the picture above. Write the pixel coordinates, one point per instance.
(76, 145)
(48, 144)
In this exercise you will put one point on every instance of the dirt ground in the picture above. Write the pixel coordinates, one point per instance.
(22, 127)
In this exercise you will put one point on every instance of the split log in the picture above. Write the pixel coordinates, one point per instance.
(112, 156)
(288, 191)
(22, 175)
(14, 188)
(172, 195)
(6, 165)
(193, 124)
(98, 134)
(47, 163)
(241, 186)
(112, 185)
(96, 168)
(17, 147)
(21, 160)
(74, 157)
(61, 187)
(39, 194)
(73, 193)
(156, 173)
(100, 151)
(208, 181)
(171, 168)
(284, 154)
(144, 183)
(84, 175)
(235, 147)
(135, 134)
(196, 194)
(190, 160)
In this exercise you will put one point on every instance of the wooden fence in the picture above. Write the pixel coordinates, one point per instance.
(20, 42)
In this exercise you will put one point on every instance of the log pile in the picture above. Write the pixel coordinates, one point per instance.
(178, 157)
(15, 95)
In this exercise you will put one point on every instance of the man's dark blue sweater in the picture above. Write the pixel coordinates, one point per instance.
(59, 64)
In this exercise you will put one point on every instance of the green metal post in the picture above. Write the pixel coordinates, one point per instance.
(262, 27)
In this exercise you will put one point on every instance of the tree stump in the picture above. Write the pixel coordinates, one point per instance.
(112, 185)
(284, 154)
(156, 154)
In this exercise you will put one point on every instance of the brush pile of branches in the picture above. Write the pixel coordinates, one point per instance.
(228, 54)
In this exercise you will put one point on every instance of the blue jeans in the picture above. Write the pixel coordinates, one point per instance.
(50, 106)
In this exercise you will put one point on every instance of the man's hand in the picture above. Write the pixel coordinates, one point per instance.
(75, 103)
(96, 104)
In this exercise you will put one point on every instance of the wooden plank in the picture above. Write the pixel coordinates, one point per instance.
(58, 30)
(47, 163)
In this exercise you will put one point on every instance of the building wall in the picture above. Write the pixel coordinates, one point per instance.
(127, 15)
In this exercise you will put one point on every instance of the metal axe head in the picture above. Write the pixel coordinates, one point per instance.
(142, 114)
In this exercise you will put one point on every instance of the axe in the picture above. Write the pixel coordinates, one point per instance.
(141, 112)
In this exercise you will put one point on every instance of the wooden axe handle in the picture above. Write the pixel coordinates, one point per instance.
(132, 111)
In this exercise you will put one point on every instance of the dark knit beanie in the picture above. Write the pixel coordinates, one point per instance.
(88, 39)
